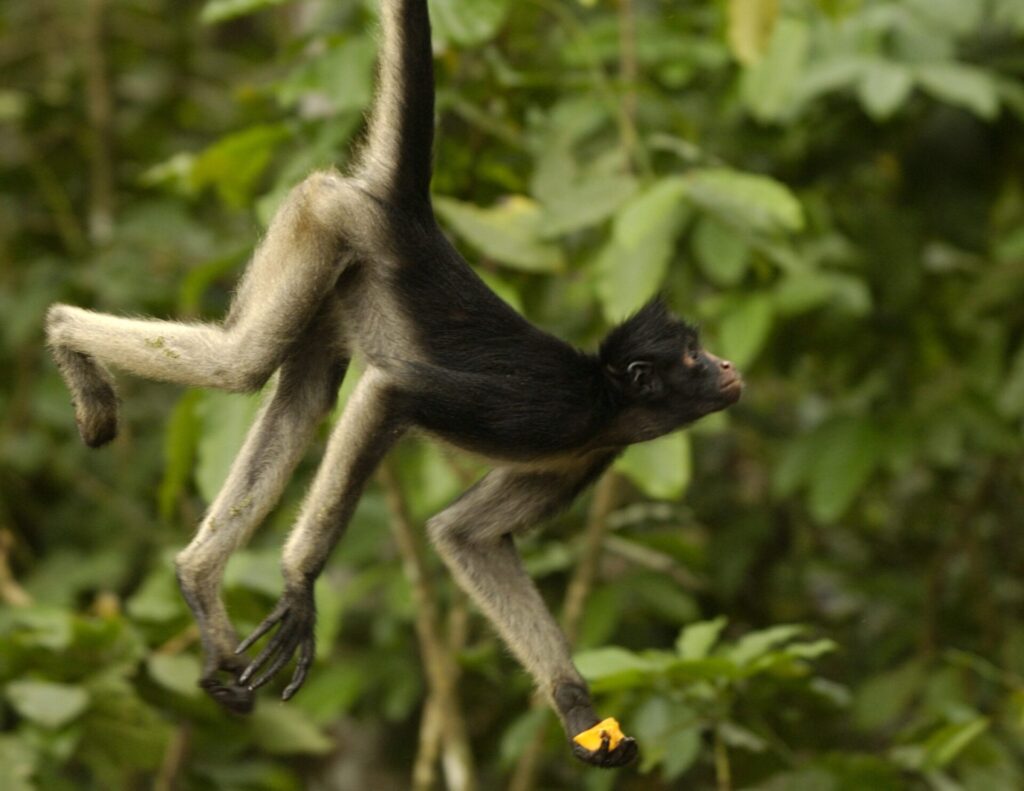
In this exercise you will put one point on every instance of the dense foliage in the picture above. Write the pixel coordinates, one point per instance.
(820, 590)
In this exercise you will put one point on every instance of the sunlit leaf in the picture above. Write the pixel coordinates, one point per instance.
(884, 88)
(660, 468)
(584, 203)
(157, 599)
(697, 639)
(753, 646)
(467, 22)
(178, 673)
(750, 26)
(962, 85)
(631, 267)
(943, 746)
(222, 10)
(745, 200)
(47, 703)
(722, 253)
(18, 762)
(508, 232)
(804, 291)
(744, 327)
(769, 87)
(343, 75)
(235, 163)
(281, 729)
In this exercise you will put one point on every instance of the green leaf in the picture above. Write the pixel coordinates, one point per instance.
(745, 200)
(178, 673)
(586, 202)
(613, 668)
(883, 698)
(744, 328)
(180, 441)
(848, 453)
(1010, 400)
(697, 639)
(681, 750)
(225, 419)
(520, 734)
(284, 730)
(47, 703)
(508, 232)
(158, 599)
(753, 646)
(943, 746)
(965, 86)
(120, 731)
(18, 762)
(769, 88)
(222, 10)
(467, 22)
(343, 74)
(884, 87)
(633, 264)
(723, 254)
(804, 291)
(750, 27)
(661, 468)
(233, 164)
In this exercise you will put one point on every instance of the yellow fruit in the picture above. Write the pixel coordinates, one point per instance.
(591, 739)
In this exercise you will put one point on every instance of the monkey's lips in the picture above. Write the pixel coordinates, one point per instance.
(731, 387)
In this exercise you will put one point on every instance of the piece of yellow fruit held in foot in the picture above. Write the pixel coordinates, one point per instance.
(591, 739)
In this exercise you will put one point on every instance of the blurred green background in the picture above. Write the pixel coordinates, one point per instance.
(821, 589)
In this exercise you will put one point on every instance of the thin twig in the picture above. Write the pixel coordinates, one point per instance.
(439, 663)
(174, 759)
(723, 772)
(11, 592)
(628, 72)
(655, 561)
(100, 105)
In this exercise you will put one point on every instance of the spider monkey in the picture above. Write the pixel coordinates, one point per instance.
(357, 263)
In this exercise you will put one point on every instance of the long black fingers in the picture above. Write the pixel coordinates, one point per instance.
(306, 653)
(265, 626)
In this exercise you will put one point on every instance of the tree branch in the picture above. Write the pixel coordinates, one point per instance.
(438, 660)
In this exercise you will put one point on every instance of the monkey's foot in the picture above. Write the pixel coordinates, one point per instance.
(295, 617)
(96, 415)
(605, 745)
(220, 680)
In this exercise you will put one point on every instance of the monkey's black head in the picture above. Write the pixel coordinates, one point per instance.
(656, 364)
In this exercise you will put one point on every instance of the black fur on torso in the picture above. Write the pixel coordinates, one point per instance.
(481, 376)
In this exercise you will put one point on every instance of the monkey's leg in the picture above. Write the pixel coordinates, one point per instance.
(358, 442)
(309, 242)
(306, 391)
(474, 537)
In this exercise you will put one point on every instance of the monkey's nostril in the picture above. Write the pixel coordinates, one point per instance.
(726, 365)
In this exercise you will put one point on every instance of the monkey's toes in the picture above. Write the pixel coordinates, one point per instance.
(230, 695)
(605, 746)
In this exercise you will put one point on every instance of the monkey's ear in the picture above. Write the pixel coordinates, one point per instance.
(641, 380)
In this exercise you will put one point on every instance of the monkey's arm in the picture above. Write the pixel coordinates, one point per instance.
(363, 434)
(474, 537)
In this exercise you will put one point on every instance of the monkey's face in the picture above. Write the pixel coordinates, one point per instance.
(682, 389)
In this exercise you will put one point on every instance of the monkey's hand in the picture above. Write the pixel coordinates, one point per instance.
(605, 745)
(295, 617)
